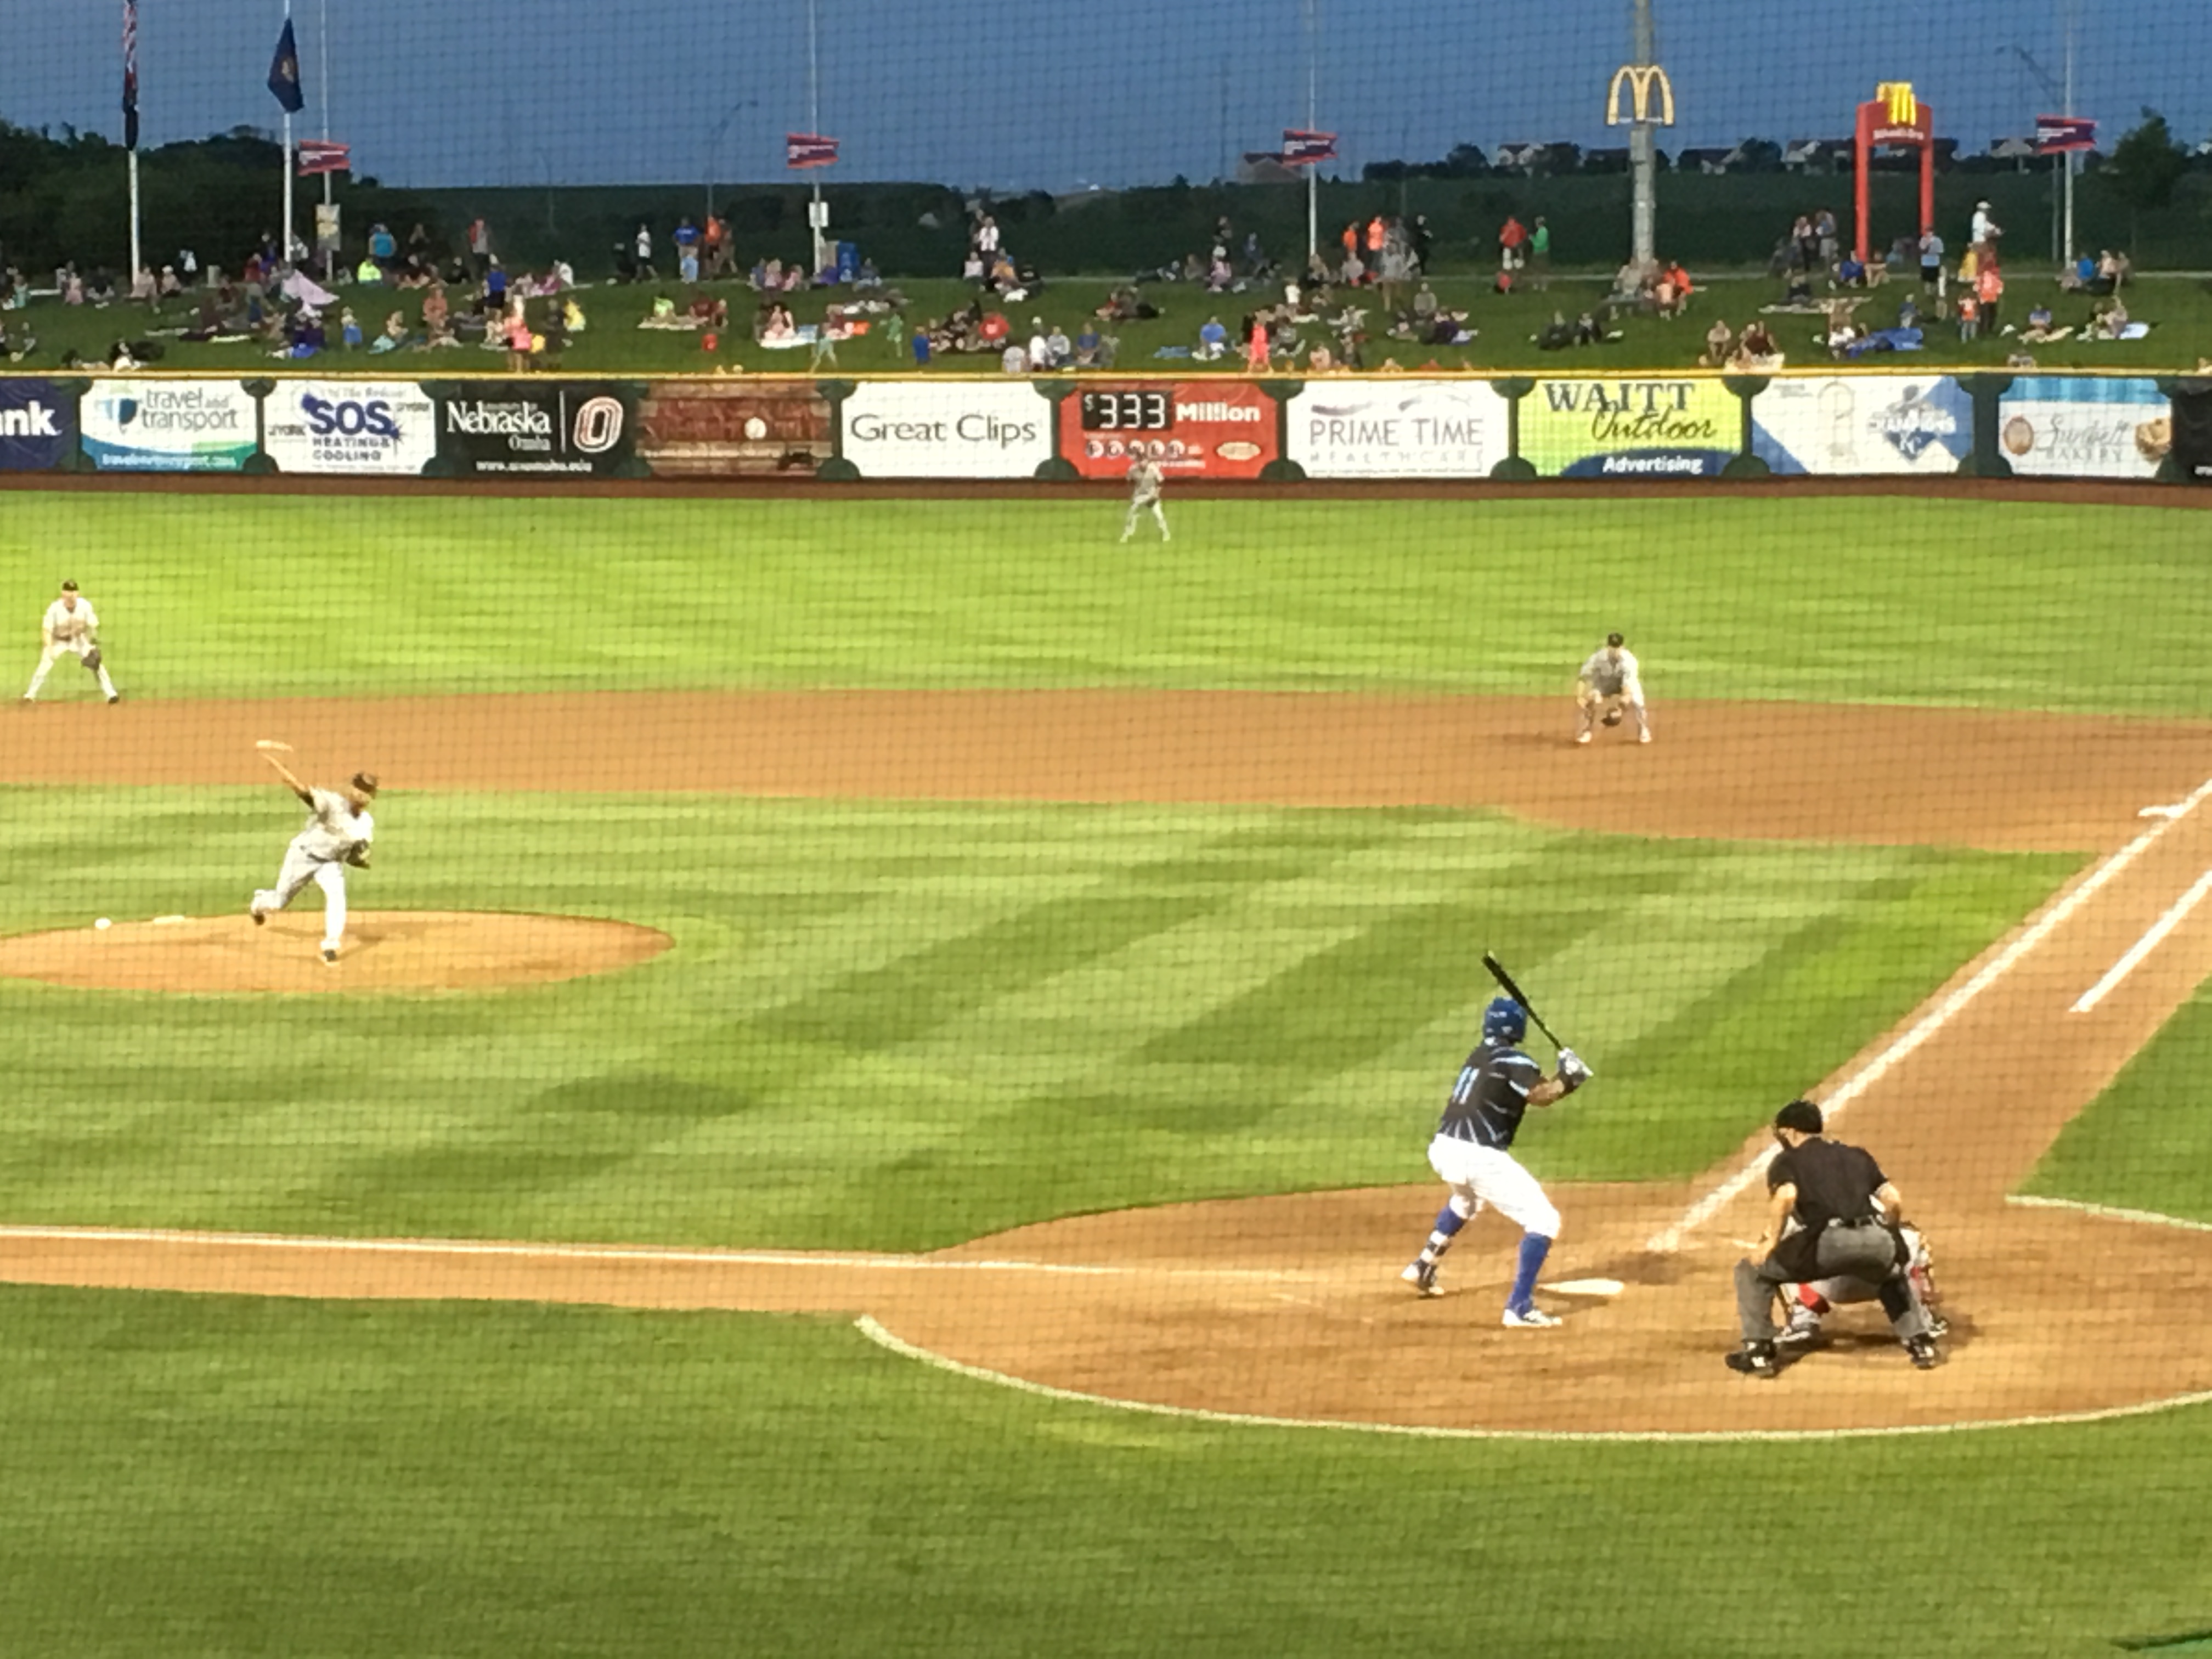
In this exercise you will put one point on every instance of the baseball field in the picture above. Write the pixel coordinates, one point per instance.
(876, 1093)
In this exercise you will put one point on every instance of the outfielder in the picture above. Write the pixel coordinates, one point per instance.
(1472, 1152)
(338, 833)
(70, 628)
(1608, 683)
(1145, 480)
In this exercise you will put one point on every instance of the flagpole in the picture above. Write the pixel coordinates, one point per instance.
(323, 43)
(2069, 157)
(285, 258)
(131, 89)
(814, 218)
(1313, 124)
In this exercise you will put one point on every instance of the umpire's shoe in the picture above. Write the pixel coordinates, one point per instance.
(1926, 1356)
(1755, 1359)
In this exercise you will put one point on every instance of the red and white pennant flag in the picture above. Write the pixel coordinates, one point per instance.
(1303, 149)
(2057, 133)
(808, 149)
(322, 155)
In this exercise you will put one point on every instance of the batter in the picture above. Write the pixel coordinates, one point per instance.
(1145, 480)
(1472, 1152)
(338, 831)
(1610, 681)
(71, 630)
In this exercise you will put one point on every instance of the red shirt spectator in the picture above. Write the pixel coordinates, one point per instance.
(1510, 241)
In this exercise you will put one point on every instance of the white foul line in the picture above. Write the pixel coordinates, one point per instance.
(1935, 1020)
(2143, 947)
(2109, 1211)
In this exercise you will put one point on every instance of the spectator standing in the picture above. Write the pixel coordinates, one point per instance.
(1378, 233)
(1421, 239)
(641, 249)
(383, 248)
(1988, 290)
(1351, 240)
(687, 250)
(479, 247)
(1986, 228)
(1040, 346)
(1512, 243)
(1540, 255)
(715, 238)
(1824, 230)
(1931, 261)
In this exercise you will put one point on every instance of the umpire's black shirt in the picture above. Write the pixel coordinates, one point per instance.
(1834, 1182)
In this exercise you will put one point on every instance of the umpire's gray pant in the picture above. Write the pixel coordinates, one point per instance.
(1866, 1251)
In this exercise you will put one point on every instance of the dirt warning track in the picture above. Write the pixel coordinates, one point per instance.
(1289, 1307)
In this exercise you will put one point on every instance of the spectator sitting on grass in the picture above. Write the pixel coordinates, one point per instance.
(1755, 350)
(1720, 343)
(1425, 304)
(394, 335)
(1851, 271)
(1061, 348)
(350, 335)
(1213, 340)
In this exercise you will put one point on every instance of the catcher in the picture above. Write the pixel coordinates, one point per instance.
(337, 833)
(1610, 685)
(1812, 1302)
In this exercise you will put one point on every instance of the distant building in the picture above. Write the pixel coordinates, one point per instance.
(1266, 167)
(1817, 154)
(1702, 160)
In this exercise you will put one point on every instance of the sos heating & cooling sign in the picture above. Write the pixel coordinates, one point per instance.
(350, 426)
(1193, 428)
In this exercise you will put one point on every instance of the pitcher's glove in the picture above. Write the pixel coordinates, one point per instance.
(1573, 1072)
(357, 857)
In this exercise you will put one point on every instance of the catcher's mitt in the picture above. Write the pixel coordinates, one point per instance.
(1612, 717)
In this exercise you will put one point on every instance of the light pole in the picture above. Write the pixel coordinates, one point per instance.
(817, 215)
(1313, 121)
(1642, 164)
(714, 144)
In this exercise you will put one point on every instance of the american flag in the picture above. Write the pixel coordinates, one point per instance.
(808, 149)
(1302, 149)
(322, 155)
(129, 74)
(2056, 133)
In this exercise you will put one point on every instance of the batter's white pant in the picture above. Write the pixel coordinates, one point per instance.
(80, 649)
(1159, 518)
(1485, 1175)
(299, 869)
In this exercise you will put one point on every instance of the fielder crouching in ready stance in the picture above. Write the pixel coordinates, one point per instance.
(1471, 1152)
(337, 833)
(1845, 1214)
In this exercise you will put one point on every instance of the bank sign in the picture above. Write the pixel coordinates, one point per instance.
(1630, 428)
(169, 426)
(945, 429)
(350, 426)
(38, 429)
(1398, 429)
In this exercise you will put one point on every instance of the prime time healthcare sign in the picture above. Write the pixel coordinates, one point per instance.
(1630, 428)
(950, 429)
(1398, 429)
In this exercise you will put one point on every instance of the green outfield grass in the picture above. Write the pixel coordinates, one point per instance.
(1881, 600)
(1506, 326)
(1034, 1010)
(217, 1476)
(2145, 1143)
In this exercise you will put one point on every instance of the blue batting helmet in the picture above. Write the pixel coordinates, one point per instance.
(1505, 1021)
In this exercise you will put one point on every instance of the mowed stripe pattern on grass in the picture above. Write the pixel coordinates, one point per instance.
(898, 1026)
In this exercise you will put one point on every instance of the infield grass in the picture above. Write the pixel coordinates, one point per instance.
(204, 1476)
(903, 1025)
(1888, 600)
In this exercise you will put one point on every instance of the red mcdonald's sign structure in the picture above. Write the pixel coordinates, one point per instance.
(1894, 117)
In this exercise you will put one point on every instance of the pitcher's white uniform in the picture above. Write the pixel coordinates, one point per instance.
(1608, 682)
(1144, 492)
(318, 855)
(70, 628)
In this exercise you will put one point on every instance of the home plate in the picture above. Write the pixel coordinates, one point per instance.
(1586, 1287)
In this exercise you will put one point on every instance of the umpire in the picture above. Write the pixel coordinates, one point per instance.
(1845, 1213)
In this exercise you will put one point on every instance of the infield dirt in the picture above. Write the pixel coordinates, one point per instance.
(1290, 1306)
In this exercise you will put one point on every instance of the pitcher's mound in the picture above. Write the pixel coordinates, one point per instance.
(385, 950)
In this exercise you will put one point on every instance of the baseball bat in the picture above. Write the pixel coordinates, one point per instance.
(1498, 972)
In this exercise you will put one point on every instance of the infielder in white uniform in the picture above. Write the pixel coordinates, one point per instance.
(338, 832)
(1144, 492)
(71, 630)
(1608, 683)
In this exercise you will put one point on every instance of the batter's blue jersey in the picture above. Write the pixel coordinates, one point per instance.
(1487, 1102)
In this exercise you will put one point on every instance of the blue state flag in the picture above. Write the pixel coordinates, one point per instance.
(284, 72)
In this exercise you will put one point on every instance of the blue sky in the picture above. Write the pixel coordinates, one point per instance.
(1056, 95)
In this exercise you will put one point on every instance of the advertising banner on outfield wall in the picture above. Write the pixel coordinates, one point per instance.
(743, 428)
(168, 426)
(1629, 428)
(37, 427)
(2070, 427)
(946, 429)
(1844, 424)
(512, 428)
(351, 427)
(1222, 429)
(1398, 429)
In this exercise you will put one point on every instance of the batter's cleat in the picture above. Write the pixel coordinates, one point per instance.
(1643, 737)
(1422, 1276)
(1530, 1318)
(115, 698)
(260, 916)
(1755, 1359)
(1926, 1356)
(330, 953)
(1582, 737)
